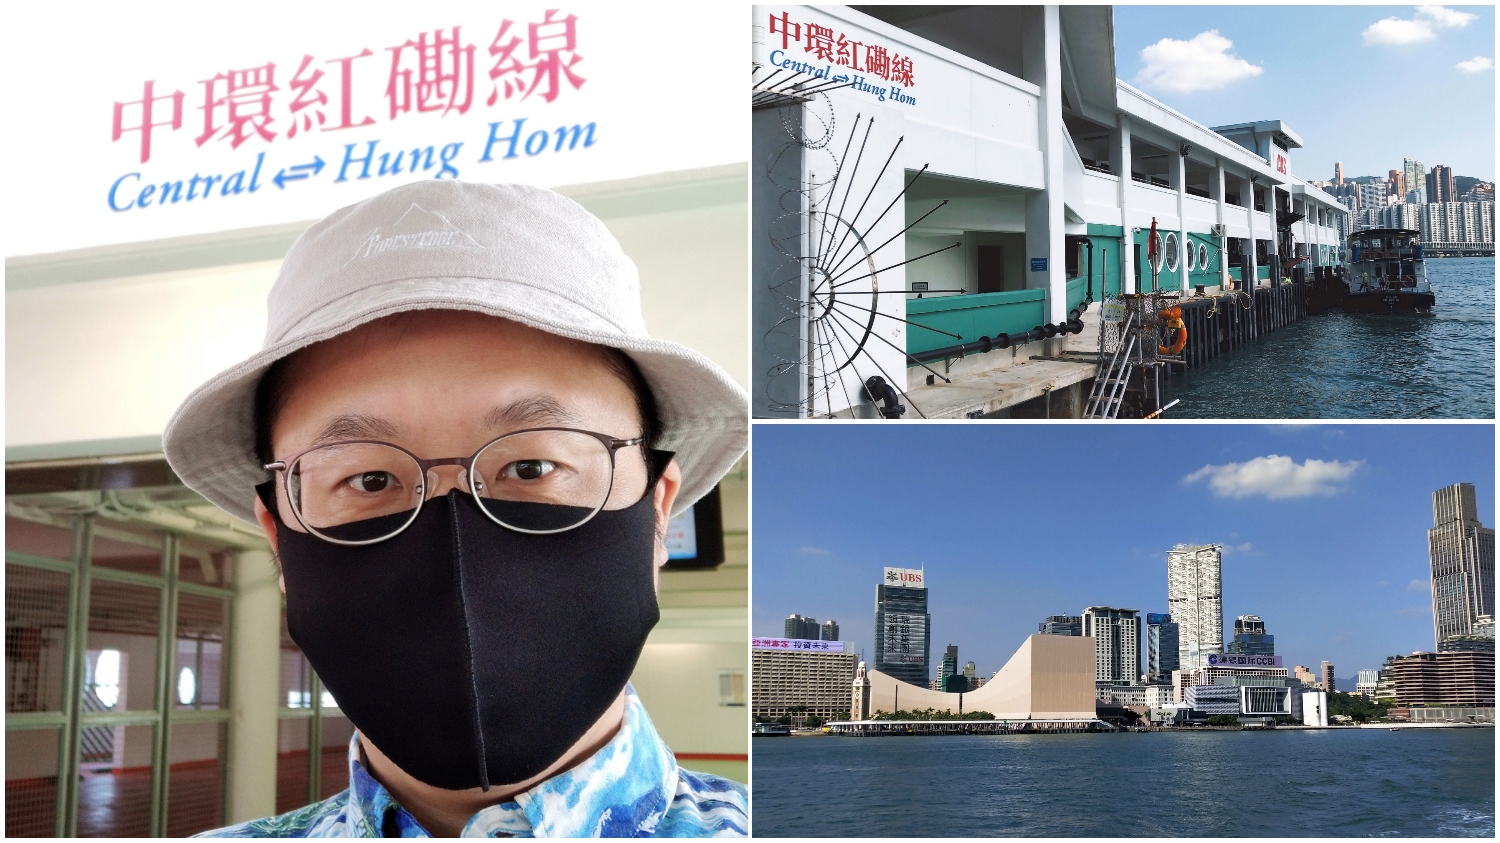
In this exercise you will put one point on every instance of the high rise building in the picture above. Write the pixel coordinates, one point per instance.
(1195, 601)
(1338, 172)
(1117, 644)
(830, 631)
(1440, 186)
(1396, 183)
(1413, 173)
(1161, 648)
(1462, 552)
(1061, 625)
(1372, 196)
(1250, 637)
(1327, 684)
(797, 626)
(903, 627)
(1368, 680)
(1305, 676)
(950, 662)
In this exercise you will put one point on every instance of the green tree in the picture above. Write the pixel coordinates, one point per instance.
(1223, 720)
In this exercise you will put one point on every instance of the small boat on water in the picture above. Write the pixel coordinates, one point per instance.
(771, 730)
(1385, 275)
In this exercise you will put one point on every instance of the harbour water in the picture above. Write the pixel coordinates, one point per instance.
(1354, 367)
(1355, 782)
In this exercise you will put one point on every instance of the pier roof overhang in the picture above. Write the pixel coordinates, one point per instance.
(1274, 128)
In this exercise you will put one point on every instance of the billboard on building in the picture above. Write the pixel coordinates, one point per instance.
(905, 639)
(1240, 660)
(796, 644)
(1154, 619)
(904, 577)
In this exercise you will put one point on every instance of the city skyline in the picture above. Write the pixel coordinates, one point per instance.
(1335, 74)
(998, 560)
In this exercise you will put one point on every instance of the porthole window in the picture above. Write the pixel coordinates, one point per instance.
(187, 686)
(1169, 251)
(1192, 258)
(1202, 256)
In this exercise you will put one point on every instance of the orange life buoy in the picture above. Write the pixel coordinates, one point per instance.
(1173, 315)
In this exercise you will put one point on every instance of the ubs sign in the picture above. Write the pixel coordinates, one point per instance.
(904, 577)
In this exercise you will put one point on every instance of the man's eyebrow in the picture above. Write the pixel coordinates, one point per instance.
(356, 426)
(538, 410)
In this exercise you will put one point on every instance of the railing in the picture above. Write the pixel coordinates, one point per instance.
(1097, 169)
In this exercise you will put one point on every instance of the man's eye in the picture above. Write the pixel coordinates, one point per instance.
(372, 481)
(527, 470)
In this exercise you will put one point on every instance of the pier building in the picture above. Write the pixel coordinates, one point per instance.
(1462, 553)
(999, 176)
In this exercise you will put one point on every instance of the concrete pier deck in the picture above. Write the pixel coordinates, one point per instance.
(997, 384)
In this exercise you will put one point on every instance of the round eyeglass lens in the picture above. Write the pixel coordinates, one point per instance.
(543, 481)
(359, 492)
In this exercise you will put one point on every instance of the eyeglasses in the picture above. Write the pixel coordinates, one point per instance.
(542, 480)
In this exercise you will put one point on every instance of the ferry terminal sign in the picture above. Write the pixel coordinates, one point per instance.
(292, 110)
(1238, 660)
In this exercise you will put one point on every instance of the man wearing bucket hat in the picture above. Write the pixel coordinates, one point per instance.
(464, 449)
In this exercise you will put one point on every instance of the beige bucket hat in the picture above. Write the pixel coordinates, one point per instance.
(517, 252)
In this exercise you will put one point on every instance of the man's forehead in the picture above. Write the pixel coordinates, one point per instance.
(539, 410)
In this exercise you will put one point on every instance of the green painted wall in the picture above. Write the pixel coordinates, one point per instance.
(972, 316)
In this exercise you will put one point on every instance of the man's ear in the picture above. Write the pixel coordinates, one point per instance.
(664, 496)
(268, 526)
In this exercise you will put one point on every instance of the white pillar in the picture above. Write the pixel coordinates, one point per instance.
(1181, 179)
(1219, 217)
(1045, 212)
(255, 670)
(1127, 241)
(1249, 197)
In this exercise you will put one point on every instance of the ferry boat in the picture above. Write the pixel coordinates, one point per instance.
(1385, 275)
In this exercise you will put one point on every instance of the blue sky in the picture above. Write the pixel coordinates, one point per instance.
(1357, 86)
(1015, 522)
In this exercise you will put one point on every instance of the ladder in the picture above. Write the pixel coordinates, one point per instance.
(1109, 385)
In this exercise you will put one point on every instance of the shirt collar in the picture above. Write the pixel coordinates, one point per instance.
(623, 790)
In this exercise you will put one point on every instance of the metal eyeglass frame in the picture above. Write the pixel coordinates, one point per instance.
(610, 443)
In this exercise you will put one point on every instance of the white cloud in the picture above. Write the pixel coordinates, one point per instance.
(1238, 548)
(1445, 17)
(1202, 64)
(1478, 64)
(1418, 585)
(1382, 582)
(1275, 477)
(814, 551)
(1397, 32)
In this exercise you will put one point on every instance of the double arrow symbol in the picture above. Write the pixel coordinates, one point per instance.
(298, 172)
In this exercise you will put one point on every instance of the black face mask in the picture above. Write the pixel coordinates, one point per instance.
(470, 654)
